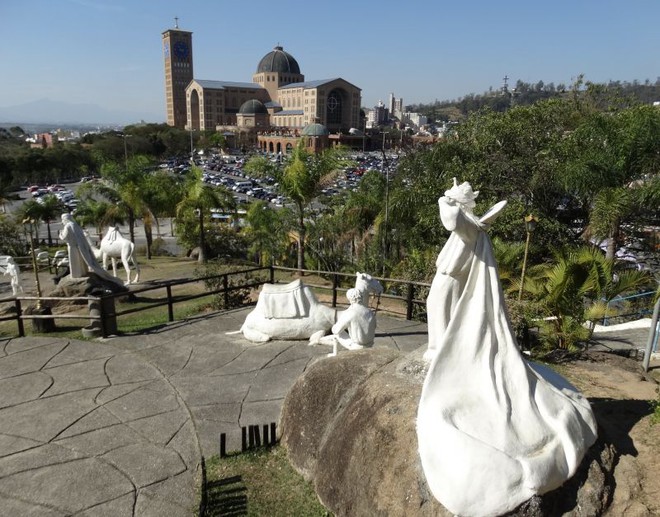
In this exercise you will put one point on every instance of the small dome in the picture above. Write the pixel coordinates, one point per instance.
(252, 107)
(278, 61)
(315, 129)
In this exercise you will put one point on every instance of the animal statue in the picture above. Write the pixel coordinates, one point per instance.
(115, 246)
(291, 311)
(366, 284)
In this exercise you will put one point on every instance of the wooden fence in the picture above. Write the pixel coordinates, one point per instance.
(401, 298)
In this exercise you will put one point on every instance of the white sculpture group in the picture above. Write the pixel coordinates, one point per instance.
(493, 429)
(115, 246)
(291, 311)
(83, 256)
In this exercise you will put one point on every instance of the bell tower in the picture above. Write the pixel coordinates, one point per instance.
(178, 58)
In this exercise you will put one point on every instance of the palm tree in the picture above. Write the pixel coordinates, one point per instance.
(301, 179)
(198, 199)
(265, 231)
(98, 213)
(128, 185)
(575, 289)
(46, 211)
(51, 208)
(363, 208)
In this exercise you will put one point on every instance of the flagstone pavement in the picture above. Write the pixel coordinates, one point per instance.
(118, 426)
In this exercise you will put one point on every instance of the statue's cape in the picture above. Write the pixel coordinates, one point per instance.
(493, 429)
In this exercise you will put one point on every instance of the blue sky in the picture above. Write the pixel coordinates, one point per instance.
(109, 53)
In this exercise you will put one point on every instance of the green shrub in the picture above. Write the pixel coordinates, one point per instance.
(235, 297)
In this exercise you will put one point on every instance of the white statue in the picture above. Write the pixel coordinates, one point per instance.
(493, 429)
(115, 246)
(355, 327)
(81, 255)
(291, 311)
(12, 269)
(454, 261)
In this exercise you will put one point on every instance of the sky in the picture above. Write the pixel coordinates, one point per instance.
(109, 52)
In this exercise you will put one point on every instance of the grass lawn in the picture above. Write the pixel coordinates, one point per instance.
(258, 483)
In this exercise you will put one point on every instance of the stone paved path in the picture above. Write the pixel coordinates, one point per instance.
(118, 426)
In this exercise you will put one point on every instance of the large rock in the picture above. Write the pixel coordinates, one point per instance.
(349, 426)
(82, 287)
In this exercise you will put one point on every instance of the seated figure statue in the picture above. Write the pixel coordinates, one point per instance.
(355, 327)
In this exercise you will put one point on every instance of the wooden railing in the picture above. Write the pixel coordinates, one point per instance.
(399, 298)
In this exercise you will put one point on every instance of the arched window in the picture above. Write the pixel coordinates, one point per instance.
(333, 107)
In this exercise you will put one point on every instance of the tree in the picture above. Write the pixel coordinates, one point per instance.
(131, 185)
(98, 213)
(574, 289)
(363, 209)
(611, 160)
(46, 211)
(51, 209)
(300, 178)
(198, 199)
(266, 232)
(11, 241)
(161, 193)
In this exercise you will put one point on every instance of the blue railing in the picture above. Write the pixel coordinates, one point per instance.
(620, 313)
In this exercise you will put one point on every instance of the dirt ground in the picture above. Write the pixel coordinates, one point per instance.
(620, 394)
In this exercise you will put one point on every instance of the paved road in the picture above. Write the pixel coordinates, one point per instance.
(117, 427)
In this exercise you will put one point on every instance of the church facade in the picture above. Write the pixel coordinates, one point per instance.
(278, 99)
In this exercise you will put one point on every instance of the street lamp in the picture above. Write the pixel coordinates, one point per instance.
(38, 324)
(530, 226)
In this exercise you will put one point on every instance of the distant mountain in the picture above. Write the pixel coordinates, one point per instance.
(46, 111)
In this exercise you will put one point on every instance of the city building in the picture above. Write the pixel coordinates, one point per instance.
(378, 116)
(396, 107)
(278, 99)
(43, 141)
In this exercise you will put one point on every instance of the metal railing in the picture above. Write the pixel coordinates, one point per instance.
(627, 308)
(400, 297)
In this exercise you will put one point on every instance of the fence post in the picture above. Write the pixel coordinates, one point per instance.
(225, 286)
(653, 336)
(203, 503)
(103, 316)
(335, 285)
(170, 305)
(19, 320)
(409, 301)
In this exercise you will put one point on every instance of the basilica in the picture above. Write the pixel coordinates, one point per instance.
(278, 100)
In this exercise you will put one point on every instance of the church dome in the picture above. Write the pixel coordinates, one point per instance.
(252, 107)
(278, 61)
(315, 129)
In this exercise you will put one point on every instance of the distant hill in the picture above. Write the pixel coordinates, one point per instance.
(46, 111)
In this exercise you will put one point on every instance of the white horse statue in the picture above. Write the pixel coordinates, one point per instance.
(291, 311)
(115, 246)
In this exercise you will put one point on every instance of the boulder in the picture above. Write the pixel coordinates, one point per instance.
(348, 425)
